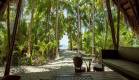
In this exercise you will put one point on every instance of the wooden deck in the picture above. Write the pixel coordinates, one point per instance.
(91, 76)
(88, 76)
(62, 69)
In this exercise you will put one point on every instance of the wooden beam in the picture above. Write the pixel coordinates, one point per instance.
(7, 69)
(118, 24)
(124, 12)
(111, 22)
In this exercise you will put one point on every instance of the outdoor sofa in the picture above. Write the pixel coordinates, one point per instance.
(125, 61)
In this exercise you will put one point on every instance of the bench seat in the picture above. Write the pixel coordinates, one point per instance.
(127, 68)
(125, 60)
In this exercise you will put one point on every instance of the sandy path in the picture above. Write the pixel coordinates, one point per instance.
(48, 71)
(62, 65)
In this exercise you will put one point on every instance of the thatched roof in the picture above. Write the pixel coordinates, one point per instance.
(3, 4)
(130, 8)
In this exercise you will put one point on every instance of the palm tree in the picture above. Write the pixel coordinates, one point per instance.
(30, 31)
(56, 31)
(78, 27)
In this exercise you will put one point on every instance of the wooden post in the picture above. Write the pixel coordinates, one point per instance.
(118, 24)
(111, 23)
(9, 56)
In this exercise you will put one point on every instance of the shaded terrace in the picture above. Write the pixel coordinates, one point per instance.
(129, 9)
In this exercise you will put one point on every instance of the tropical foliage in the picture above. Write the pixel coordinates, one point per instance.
(44, 22)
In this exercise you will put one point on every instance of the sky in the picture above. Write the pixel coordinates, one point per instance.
(64, 42)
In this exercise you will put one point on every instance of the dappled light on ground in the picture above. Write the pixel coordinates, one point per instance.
(63, 65)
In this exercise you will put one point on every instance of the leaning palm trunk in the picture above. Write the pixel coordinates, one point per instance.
(9, 57)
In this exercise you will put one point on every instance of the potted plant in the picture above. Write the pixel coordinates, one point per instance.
(78, 64)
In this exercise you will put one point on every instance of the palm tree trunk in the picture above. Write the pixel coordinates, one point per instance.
(93, 38)
(30, 31)
(71, 48)
(47, 23)
(80, 33)
(106, 34)
(57, 40)
(92, 29)
(90, 26)
(9, 57)
(70, 35)
(78, 27)
(47, 30)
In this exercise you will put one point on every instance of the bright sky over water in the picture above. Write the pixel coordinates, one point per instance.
(64, 42)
